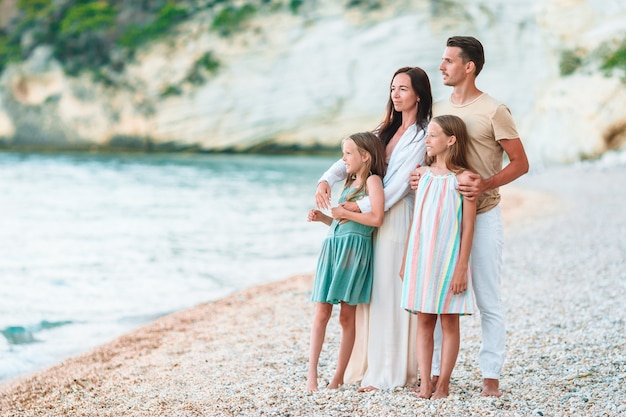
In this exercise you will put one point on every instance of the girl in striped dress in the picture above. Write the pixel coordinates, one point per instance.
(435, 271)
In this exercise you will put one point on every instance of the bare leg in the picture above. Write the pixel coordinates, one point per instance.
(425, 328)
(323, 312)
(433, 381)
(449, 353)
(491, 388)
(347, 322)
(436, 354)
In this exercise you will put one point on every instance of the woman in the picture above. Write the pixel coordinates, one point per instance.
(384, 351)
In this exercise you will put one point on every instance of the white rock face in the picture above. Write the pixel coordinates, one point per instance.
(311, 79)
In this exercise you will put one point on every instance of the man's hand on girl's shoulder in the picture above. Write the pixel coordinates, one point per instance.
(470, 184)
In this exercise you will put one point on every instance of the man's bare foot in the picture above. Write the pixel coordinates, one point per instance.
(367, 389)
(433, 382)
(490, 388)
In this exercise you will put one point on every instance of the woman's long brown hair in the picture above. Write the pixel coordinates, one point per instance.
(393, 119)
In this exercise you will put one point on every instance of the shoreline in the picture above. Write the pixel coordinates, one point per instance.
(247, 353)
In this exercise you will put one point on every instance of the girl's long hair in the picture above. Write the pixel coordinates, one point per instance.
(393, 119)
(367, 142)
(451, 125)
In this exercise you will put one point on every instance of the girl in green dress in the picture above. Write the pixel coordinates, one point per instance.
(344, 268)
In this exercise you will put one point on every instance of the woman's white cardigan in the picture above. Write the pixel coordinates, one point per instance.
(408, 153)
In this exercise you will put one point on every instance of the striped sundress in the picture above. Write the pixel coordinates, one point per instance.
(433, 249)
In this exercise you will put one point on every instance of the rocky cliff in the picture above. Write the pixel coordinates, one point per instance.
(303, 80)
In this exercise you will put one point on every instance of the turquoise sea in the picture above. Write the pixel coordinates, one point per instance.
(93, 246)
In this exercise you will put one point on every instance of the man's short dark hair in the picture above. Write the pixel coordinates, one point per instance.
(471, 50)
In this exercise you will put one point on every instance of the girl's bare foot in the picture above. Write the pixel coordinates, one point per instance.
(433, 382)
(424, 391)
(311, 383)
(439, 394)
(442, 390)
(490, 388)
(334, 384)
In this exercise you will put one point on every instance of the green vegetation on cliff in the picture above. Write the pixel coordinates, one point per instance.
(571, 61)
(89, 35)
(137, 35)
(609, 57)
(616, 60)
(230, 19)
(9, 52)
(89, 17)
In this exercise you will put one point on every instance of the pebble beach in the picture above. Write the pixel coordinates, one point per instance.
(563, 286)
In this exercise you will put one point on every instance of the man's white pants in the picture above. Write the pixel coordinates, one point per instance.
(486, 264)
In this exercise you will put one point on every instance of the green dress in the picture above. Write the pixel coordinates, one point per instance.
(344, 268)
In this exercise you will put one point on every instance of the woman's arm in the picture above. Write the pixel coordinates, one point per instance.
(377, 201)
(337, 172)
(459, 280)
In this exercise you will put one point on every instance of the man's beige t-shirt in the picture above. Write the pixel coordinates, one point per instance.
(487, 121)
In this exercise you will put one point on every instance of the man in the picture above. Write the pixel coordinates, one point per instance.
(492, 132)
